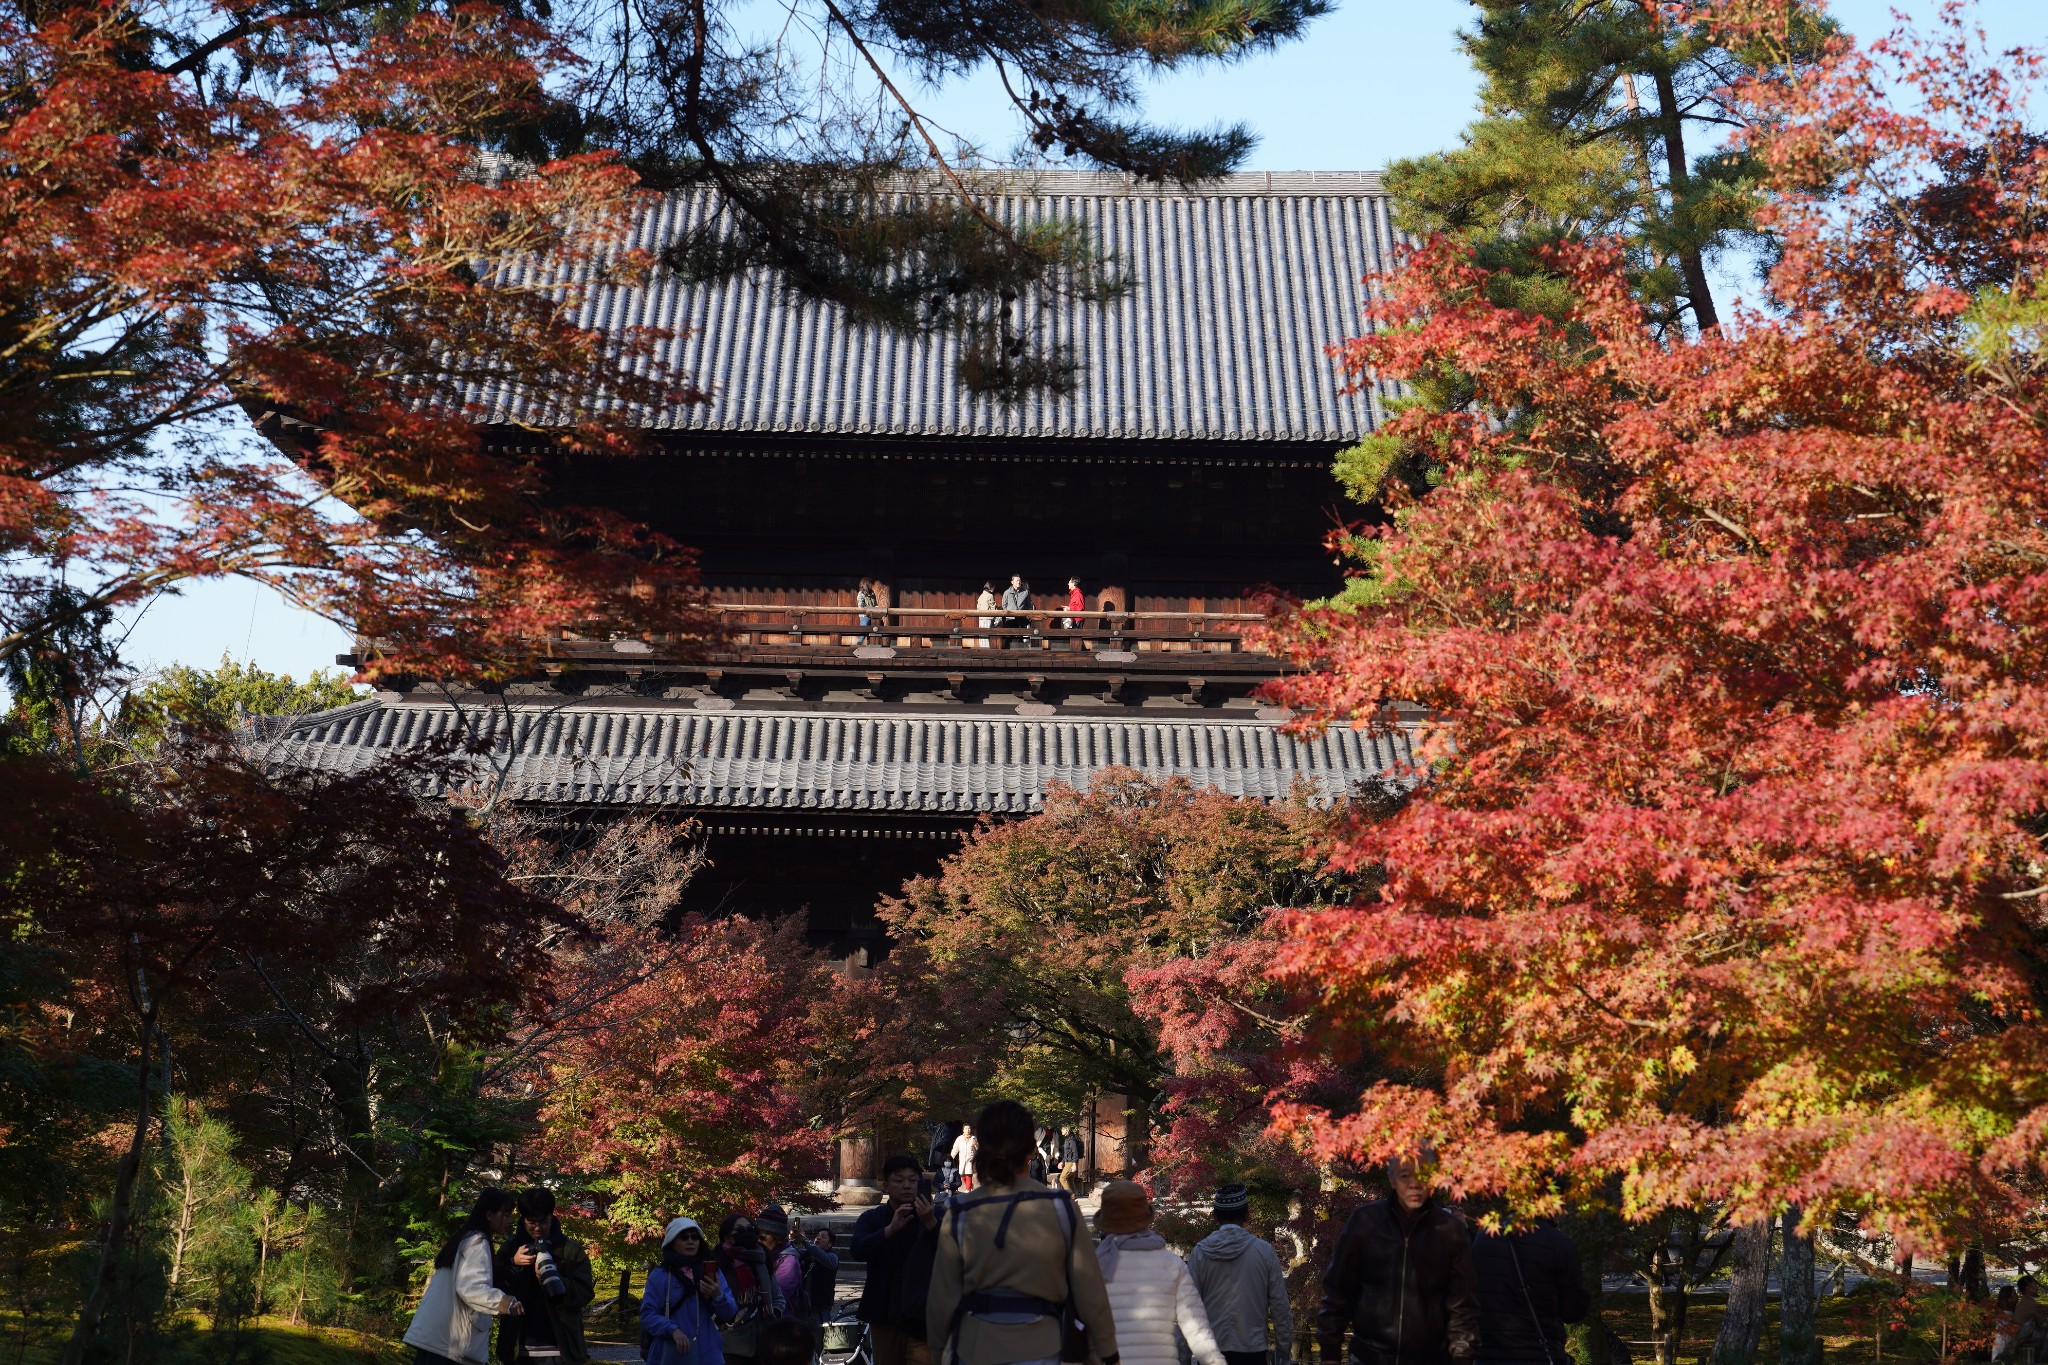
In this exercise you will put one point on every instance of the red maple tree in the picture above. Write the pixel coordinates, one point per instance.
(284, 215)
(1726, 874)
(683, 1092)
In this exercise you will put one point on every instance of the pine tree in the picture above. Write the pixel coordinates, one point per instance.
(1599, 119)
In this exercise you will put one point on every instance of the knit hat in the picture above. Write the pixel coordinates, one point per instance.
(1232, 1198)
(1125, 1208)
(677, 1227)
(773, 1216)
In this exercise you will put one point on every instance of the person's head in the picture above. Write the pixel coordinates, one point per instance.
(490, 1215)
(740, 1231)
(900, 1174)
(1073, 582)
(988, 585)
(773, 1221)
(823, 1238)
(1408, 1177)
(2025, 1284)
(2008, 1298)
(1125, 1208)
(867, 582)
(1233, 1203)
(1016, 580)
(683, 1239)
(1002, 1136)
(537, 1211)
(785, 1341)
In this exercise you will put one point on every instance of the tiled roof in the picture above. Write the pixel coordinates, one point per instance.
(817, 761)
(1239, 286)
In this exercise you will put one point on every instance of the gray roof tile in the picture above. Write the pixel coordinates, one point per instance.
(1240, 285)
(785, 760)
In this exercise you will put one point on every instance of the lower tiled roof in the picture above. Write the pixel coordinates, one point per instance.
(823, 761)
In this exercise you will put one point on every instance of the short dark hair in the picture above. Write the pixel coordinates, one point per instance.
(537, 1202)
(1005, 1145)
(2026, 1282)
(785, 1341)
(902, 1161)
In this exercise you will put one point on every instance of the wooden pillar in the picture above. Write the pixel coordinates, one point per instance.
(859, 1172)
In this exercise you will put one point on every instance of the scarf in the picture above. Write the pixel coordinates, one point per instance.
(1109, 1248)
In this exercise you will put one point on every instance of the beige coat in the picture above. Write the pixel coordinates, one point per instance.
(1034, 1260)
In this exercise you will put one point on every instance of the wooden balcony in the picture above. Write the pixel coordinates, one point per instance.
(949, 638)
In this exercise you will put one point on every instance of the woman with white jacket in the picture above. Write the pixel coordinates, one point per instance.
(1150, 1290)
(453, 1323)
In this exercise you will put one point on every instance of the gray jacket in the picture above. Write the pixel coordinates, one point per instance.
(1242, 1288)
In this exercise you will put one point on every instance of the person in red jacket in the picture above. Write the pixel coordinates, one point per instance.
(1077, 602)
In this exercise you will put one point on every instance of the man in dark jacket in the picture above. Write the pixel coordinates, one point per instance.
(1400, 1282)
(897, 1239)
(1530, 1286)
(553, 1318)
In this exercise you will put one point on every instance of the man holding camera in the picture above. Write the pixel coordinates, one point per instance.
(898, 1239)
(550, 1276)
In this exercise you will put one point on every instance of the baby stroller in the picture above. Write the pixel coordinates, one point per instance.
(843, 1339)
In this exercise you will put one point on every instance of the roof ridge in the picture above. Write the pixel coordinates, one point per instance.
(1067, 182)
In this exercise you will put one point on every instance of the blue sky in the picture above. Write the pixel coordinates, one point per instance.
(1376, 80)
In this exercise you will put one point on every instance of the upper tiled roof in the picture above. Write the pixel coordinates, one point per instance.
(802, 760)
(1238, 288)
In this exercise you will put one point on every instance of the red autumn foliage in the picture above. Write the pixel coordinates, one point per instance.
(310, 242)
(683, 1092)
(1727, 875)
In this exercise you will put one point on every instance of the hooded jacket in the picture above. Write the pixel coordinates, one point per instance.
(1402, 1285)
(1530, 1286)
(1244, 1289)
(671, 1301)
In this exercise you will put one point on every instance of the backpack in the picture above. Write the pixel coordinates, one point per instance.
(1073, 1339)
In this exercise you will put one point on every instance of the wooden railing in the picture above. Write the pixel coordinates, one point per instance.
(750, 627)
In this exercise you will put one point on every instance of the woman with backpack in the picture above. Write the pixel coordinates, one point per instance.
(1014, 1264)
(685, 1303)
(453, 1323)
(744, 1263)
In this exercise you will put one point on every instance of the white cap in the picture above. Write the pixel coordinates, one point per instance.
(677, 1227)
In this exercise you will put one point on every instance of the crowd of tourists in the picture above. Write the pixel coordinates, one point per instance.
(993, 1265)
(754, 1297)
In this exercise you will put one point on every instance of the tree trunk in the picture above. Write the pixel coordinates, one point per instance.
(1678, 177)
(1799, 1343)
(121, 1211)
(1667, 1293)
(263, 1253)
(1743, 1324)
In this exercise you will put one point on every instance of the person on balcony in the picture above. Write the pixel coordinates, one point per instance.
(986, 604)
(1077, 602)
(865, 599)
(1016, 597)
